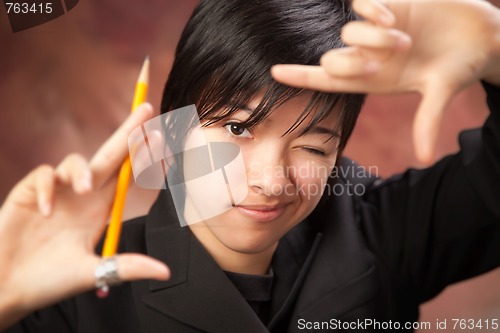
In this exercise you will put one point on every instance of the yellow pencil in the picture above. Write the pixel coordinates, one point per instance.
(115, 224)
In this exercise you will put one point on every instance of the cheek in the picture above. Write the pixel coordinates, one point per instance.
(198, 158)
(310, 178)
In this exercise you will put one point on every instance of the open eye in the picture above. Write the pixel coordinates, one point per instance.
(238, 130)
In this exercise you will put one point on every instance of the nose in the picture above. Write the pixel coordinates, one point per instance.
(267, 171)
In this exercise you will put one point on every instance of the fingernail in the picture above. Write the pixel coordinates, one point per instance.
(387, 18)
(372, 67)
(404, 41)
(147, 106)
(85, 183)
(45, 208)
(276, 70)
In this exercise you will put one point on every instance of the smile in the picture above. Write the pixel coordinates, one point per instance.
(262, 213)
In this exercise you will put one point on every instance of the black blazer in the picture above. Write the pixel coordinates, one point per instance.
(374, 256)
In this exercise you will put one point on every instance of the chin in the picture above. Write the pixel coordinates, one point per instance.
(249, 244)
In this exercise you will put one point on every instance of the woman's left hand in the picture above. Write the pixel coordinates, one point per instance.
(436, 48)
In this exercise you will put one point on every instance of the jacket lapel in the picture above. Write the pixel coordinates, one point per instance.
(199, 293)
(342, 275)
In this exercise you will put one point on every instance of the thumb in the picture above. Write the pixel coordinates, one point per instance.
(137, 266)
(427, 121)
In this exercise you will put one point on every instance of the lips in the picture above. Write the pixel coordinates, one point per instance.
(262, 213)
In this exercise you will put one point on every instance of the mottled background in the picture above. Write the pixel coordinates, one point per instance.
(66, 85)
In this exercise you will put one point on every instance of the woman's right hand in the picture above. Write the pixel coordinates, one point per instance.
(409, 46)
(51, 222)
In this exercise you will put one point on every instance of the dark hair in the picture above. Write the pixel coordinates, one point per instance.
(227, 48)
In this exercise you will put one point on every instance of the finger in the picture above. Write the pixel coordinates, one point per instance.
(26, 192)
(110, 156)
(428, 120)
(368, 35)
(137, 266)
(130, 267)
(374, 11)
(348, 62)
(147, 155)
(44, 188)
(75, 171)
(316, 78)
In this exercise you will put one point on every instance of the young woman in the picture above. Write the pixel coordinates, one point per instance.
(290, 257)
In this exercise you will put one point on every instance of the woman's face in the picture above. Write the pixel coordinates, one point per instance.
(285, 177)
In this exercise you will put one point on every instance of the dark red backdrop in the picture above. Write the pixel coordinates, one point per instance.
(67, 84)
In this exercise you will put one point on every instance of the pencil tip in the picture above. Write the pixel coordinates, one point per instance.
(144, 75)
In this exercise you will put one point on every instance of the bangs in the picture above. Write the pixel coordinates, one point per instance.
(221, 99)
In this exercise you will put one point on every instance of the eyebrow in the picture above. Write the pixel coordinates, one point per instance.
(324, 130)
(247, 109)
